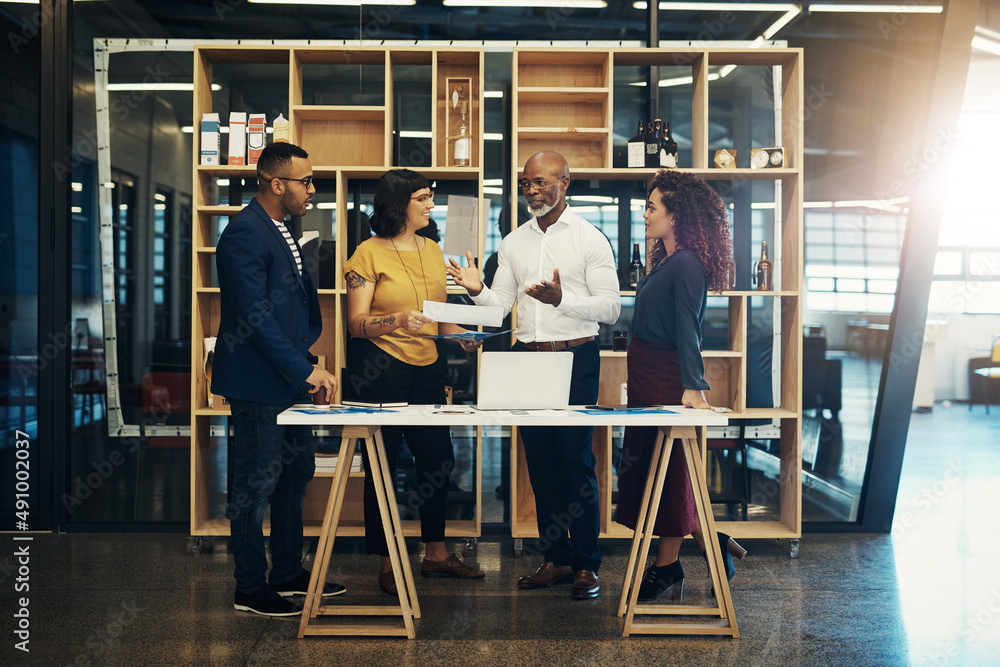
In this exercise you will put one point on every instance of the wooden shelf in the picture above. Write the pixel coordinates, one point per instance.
(559, 113)
(344, 142)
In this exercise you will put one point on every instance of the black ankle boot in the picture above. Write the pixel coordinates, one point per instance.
(729, 548)
(656, 580)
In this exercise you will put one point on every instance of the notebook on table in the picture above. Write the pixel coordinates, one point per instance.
(525, 380)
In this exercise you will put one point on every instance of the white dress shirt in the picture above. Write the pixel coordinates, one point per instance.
(527, 256)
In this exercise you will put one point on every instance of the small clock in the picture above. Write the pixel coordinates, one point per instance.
(725, 158)
(763, 158)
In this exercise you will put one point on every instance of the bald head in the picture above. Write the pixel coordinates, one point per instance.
(549, 161)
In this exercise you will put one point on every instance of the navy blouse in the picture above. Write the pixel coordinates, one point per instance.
(670, 306)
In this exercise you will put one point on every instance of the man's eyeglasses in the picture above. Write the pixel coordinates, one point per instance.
(538, 185)
(307, 181)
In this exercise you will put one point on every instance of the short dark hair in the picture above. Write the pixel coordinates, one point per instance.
(275, 160)
(392, 197)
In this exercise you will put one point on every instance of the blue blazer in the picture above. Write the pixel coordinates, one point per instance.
(270, 314)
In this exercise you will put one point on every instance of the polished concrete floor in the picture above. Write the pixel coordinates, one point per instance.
(928, 593)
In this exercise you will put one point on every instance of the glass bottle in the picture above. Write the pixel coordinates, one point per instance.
(668, 148)
(637, 147)
(461, 142)
(765, 268)
(653, 144)
(635, 268)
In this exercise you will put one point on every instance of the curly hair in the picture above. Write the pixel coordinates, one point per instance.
(701, 223)
(392, 197)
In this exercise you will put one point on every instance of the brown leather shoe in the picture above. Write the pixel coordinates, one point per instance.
(585, 585)
(546, 575)
(387, 582)
(452, 567)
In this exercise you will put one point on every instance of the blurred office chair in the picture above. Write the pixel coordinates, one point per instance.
(989, 372)
(165, 394)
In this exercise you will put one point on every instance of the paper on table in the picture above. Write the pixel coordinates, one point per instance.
(457, 313)
(461, 226)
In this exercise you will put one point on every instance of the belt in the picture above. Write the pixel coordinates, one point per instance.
(556, 345)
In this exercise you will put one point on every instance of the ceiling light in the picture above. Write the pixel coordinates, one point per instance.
(493, 93)
(335, 3)
(539, 4)
(721, 6)
(415, 134)
(987, 45)
(785, 19)
(182, 87)
(876, 8)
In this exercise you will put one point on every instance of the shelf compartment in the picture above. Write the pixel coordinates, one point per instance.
(582, 107)
(725, 374)
(458, 65)
(573, 68)
(341, 134)
(583, 149)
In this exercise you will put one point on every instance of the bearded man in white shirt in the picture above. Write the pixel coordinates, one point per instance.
(561, 272)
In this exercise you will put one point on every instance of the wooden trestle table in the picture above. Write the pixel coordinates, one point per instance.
(677, 426)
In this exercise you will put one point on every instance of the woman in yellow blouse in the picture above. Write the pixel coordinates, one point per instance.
(389, 277)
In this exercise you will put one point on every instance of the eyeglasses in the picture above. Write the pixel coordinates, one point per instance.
(424, 199)
(537, 184)
(307, 181)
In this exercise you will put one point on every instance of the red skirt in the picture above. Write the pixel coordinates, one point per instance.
(654, 378)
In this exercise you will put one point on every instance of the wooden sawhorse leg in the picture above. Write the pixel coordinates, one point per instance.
(408, 606)
(689, 437)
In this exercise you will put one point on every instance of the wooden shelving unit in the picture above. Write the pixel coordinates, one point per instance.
(563, 100)
(344, 143)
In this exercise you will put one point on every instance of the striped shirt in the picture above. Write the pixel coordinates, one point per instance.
(291, 243)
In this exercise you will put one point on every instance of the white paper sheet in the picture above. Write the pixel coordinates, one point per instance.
(457, 313)
(461, 232)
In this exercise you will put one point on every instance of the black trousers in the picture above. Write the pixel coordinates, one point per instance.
(377, 376)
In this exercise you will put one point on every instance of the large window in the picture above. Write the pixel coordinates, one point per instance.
(967, 267)
(852, 260)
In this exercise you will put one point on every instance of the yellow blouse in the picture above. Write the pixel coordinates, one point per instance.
(403, 280)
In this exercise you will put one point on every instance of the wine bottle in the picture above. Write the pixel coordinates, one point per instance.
(652, 144)
(668, 148)
(461, 142)
(635, 268)
(637, 147)
(765, 269)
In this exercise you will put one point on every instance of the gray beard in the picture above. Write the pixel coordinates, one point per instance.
(543, 210)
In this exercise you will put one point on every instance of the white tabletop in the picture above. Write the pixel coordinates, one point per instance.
(458, 415)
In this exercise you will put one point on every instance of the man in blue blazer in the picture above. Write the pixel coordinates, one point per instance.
(270, 318)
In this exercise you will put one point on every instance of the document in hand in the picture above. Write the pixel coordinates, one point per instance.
(457, 313)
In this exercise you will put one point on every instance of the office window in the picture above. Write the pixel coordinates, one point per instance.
(852, 260)
(163, 219)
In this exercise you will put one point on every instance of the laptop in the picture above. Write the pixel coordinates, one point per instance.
(525, 380)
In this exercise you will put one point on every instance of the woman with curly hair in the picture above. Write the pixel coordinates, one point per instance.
(687, 233)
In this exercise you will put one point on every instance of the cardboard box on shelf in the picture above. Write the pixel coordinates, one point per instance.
(256, 136)
(279, 130)
(210, 138)
(237, 138)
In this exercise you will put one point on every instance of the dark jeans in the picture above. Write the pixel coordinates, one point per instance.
(377, 376)
(271, 463)
(561, 464)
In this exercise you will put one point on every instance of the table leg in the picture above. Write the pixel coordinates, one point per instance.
(647, 520)
(324, 547)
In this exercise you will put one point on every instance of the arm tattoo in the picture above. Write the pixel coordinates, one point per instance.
(355, 281)
(364, 333)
